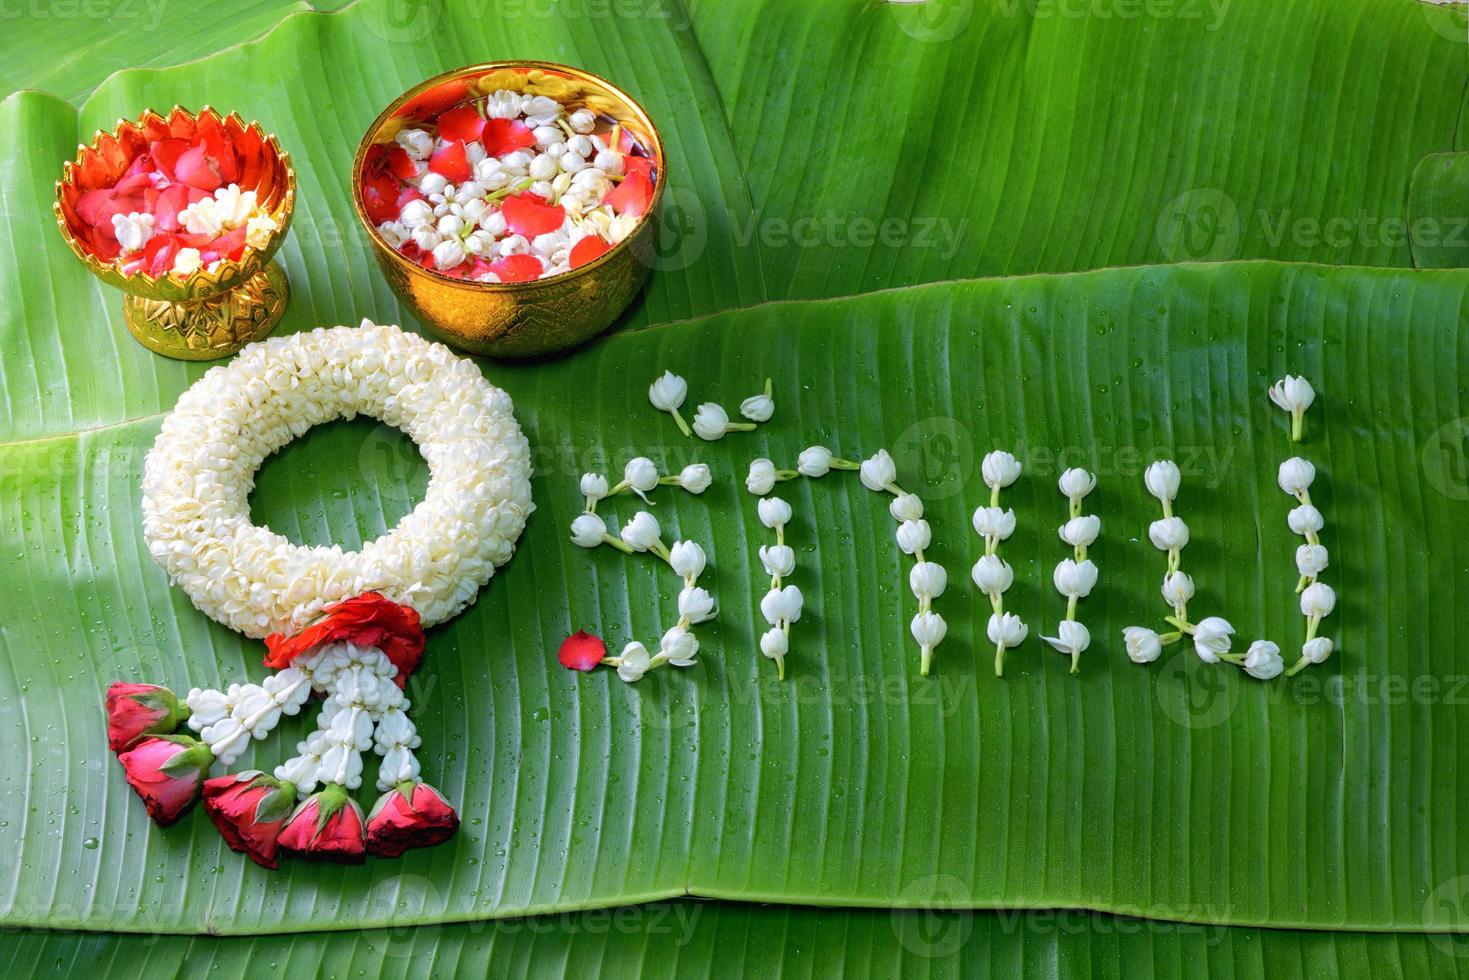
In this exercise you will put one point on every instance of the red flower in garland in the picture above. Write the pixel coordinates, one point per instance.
(250, 808)
(368, 620)
(327, 826)
(409, 815)
(167, 772)
(135, 710)
(581, 651)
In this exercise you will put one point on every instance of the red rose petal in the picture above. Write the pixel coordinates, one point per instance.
(517, 268)
(464, 124)
(588, 249)
(637, 165)
(96, 208)
(502, 136)
(400, 164)
(165, 154)
(528, 215)
(230, 245)
(632, 196)
(221, 153)
(451, 162)
(378, 207)
(171, 200)
(195, 168)
(159, 253)
(409, 194)
(581, 651)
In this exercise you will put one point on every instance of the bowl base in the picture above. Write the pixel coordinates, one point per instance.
(206, 329)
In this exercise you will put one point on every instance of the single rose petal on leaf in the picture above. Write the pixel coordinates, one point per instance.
(517, 268)
(502, 136)
(581, 651)
(632, 196)
(195, 168)
(452, 163)
(530, 215)
(463, 123)
(587, 249)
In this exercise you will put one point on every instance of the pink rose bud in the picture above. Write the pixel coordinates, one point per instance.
(135, 710)
(167, 771)
(250, 808)
(327, 826)
(409, 815)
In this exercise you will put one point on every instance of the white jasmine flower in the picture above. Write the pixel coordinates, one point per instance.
(450, 225)
(695, 478)
(1212, 636)
(782, 605)
(133, 230)
(759, 408)
(1073, 580)
(1076, 483)
(906, 507)
(395, 233)
(999, 469)
(779, 560)
(992, 522)
(432, 183)
(640, 475)
(1311, 560)
(1178, 589)
(504, 104)
(582, 121)
(928, 580)
(1262, 660)
(544, 167)
(609, 161)
(914, 536)
(202, 218)
(259, 229)
(634, 662)
(928, 629)
(993, 575)
(415, 214)
(1143, 645)
(679, 647)
(587, 530)
(1316, 650)
(1168, 534)
(426, 237)
(1318, 600)
(1295, 395)
(711, 422)
(1305, 519)
(814, 461)
(1296, 475)
(1071, 638)
(1162, 479)
(593, 486)
(878, 472)
(493, 224)
(448, 254)
(762, 475)
(419, 143)
(774, 512)
(774, 643)
(186, 262)
(641, 533)
(695, 604)
(1006, 630)
(1081, 532)
(687, 558)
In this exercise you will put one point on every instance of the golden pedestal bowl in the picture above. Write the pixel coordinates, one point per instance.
(519, 319)
(209, 313)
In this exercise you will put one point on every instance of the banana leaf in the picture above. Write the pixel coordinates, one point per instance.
(1177, 792)
(729, 940)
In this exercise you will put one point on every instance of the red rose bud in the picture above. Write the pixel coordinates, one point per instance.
(327, 826)
(135, 710)
(250, 808)
(409, 815)
(167, 772)
(368, 620)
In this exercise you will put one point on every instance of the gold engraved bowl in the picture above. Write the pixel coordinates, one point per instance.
(518, 319)
(209, 313)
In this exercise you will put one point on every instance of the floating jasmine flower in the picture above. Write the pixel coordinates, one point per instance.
(1294, 395)
(639, 476)
(1162, 480)
(1212, 638)
(914, 536)
(1071, 638)
(928, 580)
(1296, 475)
(593, 487)
(588, 530)
(879, 472)
(667, 393)
(1143, 645)
(759, 408)
(711, 422)
(132, 230)
(1262, 660)
(774, 512)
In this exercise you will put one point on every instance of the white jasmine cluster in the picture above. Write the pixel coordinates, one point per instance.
(199, 473)
(782, 604)
(228, 209)
(1295, 476)
(227, 720)
(711, 422)
(992, 574)
(1075, 577)
(642, 534)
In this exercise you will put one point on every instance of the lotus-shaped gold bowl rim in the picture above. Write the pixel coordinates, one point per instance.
(646, 133)
(278, 181)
